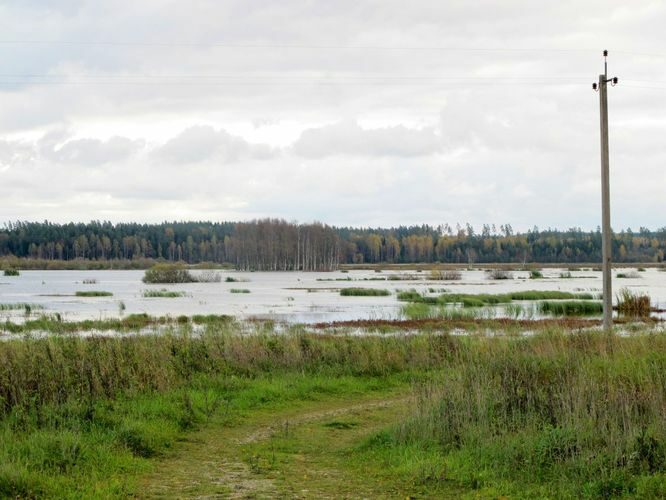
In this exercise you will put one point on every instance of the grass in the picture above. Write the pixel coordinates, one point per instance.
(93, 293)
(633, 304)
(82, 417)
(536, 274)
(162, 293)
(11, 272)
(239, 290)
(28, 308)
(559, 415)
(571, 307)
(566, 275)
(364, 292)
(485, 299)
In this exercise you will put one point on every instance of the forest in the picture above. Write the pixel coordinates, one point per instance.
(275, 244)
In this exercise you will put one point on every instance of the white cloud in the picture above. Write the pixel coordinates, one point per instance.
(203, 143)
(348, 138)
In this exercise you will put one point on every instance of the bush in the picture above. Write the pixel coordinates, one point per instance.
(168, 273)
(500, 274)
(11, 272)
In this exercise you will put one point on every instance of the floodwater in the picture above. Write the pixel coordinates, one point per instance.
(296, 297)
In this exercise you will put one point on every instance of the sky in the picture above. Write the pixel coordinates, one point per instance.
(352, 113)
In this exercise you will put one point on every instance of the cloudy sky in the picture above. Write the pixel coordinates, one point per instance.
(351, 112)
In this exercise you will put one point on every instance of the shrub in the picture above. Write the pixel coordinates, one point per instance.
(445, 275)
(10, 271)
(535, 274)
(168, 273)
(500, 274)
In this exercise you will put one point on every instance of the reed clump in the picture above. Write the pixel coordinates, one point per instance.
(239, 290)
(10, 271)
(536, 274)
(633, 304)
(364, 292)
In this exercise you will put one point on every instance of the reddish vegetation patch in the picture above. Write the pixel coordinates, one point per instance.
(430, 324)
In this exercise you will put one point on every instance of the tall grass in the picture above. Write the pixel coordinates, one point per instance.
(571, 307)
(20, 306)
(633, 304)
(239, 290)
(77, 415)
(559, 415)
(364, 292)
(10, 271)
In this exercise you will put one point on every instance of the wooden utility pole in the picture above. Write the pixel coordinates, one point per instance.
(606, 254)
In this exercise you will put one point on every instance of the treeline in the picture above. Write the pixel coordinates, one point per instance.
(274, 244)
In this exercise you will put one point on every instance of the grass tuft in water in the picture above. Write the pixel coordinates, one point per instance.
(364, 292)
(162, 293)
(93, 293)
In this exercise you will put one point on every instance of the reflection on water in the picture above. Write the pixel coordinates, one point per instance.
(289, 296)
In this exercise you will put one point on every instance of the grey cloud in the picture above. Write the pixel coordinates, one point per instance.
(348, 138)
(203, 143)
(91, 152)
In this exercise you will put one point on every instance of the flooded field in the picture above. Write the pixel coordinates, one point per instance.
(285, 296)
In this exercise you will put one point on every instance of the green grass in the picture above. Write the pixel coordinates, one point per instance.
(11, 272)
(571, 308)
(162, 293)
(559, 415)
(536, 274)
(83, 417)
(364, 292)
(239, 290)
(93, 293)
(21, 306)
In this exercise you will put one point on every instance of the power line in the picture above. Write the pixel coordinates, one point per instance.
(226, 45)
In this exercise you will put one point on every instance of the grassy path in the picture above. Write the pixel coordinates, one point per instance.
(301, 452)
